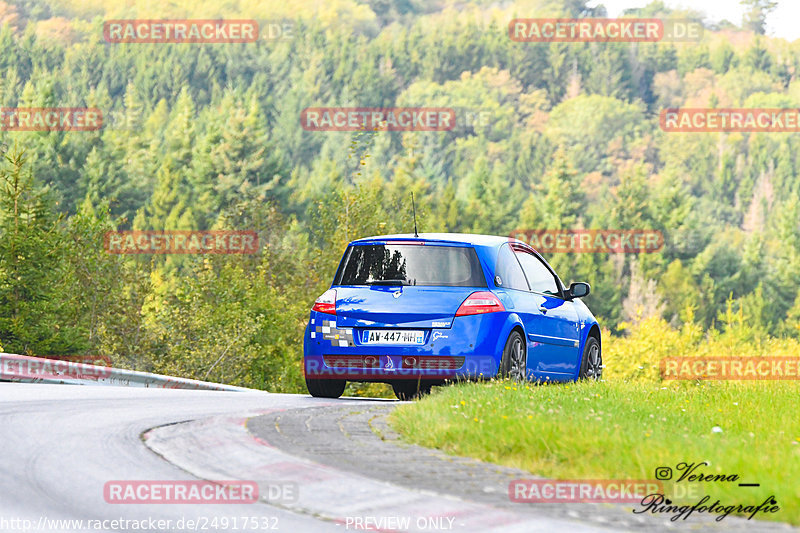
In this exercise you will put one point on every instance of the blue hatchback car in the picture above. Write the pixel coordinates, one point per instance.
(416, 311)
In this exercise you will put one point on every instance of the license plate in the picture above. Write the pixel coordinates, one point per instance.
(394, 336)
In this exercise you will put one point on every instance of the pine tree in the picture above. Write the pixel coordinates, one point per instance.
(35, 317)
(558, 201)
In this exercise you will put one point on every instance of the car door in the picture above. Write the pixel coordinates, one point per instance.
(516, 297)
(553, 327)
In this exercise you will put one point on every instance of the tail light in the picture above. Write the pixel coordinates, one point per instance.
(480, 302)
(326, 303)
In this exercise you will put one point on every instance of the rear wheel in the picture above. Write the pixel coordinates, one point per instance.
(514, 363)
(325, 388)
(410, 390)
(592, 362)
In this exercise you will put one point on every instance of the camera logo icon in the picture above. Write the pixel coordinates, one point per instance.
(663, 473)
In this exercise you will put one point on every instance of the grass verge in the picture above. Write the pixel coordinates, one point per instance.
(625, 430)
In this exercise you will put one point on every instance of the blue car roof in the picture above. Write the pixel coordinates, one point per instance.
(453, 238)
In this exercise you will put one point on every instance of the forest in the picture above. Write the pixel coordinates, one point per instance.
(200, 136)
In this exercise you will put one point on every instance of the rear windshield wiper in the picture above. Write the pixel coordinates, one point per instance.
(387, 282)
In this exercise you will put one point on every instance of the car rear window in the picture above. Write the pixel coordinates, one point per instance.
(411, 264)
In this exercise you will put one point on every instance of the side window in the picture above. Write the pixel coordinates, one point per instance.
(508, 273)
(539, 277)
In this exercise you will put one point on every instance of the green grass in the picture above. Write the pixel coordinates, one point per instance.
(622, 430)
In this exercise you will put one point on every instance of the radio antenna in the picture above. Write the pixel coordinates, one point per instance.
(414, 209)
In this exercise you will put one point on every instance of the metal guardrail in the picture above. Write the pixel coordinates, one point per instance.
(25, 369)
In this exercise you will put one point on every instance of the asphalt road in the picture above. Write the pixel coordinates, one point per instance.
(64, 448)
(62, 443)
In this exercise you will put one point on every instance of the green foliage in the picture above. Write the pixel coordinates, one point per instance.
(637, 356)
(603, 120)
(623, 430)
(35, 283)
(755, 18)
(551, 135)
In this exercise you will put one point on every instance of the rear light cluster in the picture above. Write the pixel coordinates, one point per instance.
(326, 303)
(476, 303)
(480, 302)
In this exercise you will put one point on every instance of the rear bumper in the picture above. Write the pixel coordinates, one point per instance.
(390, 368)
(466, 350)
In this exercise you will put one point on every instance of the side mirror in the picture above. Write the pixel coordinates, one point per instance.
(579, 290)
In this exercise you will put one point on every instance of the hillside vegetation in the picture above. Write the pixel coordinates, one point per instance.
(552, 135)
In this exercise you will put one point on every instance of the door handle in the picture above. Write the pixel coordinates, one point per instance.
(543, 309)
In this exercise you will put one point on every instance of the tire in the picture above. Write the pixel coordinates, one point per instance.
(515, 358)
(410, 390)
(592, 361)
(325, 388)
